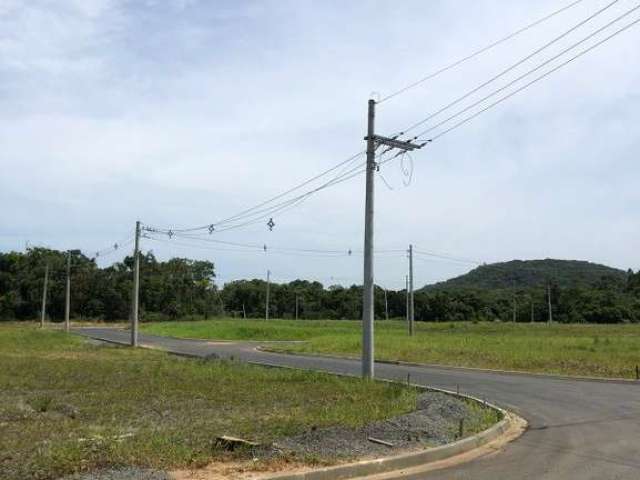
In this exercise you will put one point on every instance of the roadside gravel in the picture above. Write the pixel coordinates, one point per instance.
(435, 422)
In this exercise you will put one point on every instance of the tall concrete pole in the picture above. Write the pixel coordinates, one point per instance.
(406, 307)
(532, 313)
(296, 306)
(514, 313)
(67, 296)
(549, 303)
(386, 305)
(43, 310)
(136, 287)
(266, 303)
(411, 309)
(367, 290)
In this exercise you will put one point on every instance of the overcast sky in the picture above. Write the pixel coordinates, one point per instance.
(181, 113)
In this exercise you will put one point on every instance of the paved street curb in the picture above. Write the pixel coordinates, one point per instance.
(402, 461)
(405, 460)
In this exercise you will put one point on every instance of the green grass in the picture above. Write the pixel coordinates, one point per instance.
(67, 405)
(590, 350)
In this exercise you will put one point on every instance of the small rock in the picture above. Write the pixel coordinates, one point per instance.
(67, 409)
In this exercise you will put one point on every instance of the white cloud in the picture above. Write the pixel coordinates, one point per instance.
(185, 112)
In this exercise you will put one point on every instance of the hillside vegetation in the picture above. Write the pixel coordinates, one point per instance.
(581, 292)
(534, 273)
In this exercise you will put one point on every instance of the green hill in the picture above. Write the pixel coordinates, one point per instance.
(533, 273)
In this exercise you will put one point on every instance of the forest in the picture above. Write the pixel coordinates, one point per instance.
(181, 288)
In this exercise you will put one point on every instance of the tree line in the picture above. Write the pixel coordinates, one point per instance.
(182, 288)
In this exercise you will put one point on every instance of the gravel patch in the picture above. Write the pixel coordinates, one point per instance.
(121, 474)
(435, 422)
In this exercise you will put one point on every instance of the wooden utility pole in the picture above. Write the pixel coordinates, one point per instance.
(43, 310)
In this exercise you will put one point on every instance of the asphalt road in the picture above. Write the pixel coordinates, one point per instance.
(577, 429)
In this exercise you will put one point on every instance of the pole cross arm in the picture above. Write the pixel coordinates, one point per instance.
(393, 143)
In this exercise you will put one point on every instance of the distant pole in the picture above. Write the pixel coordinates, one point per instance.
(244, 312)
(296, 306)
(406, 306)
(514, 315)
(549, 301)
(367, 293)
(532, 310)
(386, 305)
(411, 306)
(136, 287)
(266, 303)
(67, 296)
(43, 310)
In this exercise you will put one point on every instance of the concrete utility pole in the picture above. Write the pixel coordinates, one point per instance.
(373, 141)
(136, 287)
(386, 305)
(406, 294)
(549, 300)
(67, 295)
(367, 292)
(266, 303)
(43, 310)
(244, 312)
(411, 305)
(296, 306)
(532, 316)
(514, 315)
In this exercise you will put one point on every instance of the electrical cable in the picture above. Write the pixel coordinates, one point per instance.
(259, 215)
(477, 52)
(535, 80)
(272, 199)
(446, 257)
(510, 68)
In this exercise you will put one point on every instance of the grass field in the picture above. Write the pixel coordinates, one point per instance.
(67, 405)
(591, 350)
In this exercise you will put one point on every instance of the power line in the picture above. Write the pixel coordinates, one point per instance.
(253, 216)
(303, 252)
(537, 79)
(247, 211)
(477, 52)
(244, 247)
(509, 69)
(441, 256)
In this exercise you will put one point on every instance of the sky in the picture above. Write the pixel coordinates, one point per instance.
(181, 113)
